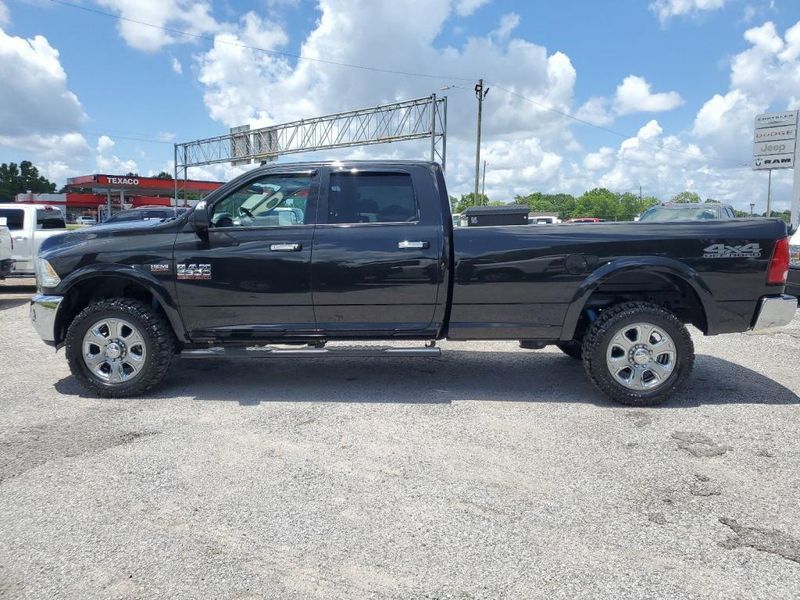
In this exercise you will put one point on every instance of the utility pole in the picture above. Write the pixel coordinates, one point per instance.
(483, 181)
(640, 193)
(752, 207)
(480, 94)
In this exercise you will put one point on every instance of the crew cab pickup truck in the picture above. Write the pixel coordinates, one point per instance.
(285, 258)
(30, 225)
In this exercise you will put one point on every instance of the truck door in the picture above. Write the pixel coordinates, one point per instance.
(377, 249)
(253, 278)
(23, 241)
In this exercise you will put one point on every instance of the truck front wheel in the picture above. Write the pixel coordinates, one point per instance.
(119, 347)
(638, 353)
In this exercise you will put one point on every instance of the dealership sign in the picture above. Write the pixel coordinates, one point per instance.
(774, 140)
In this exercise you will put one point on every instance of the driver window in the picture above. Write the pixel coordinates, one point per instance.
(371, 198)
(269, 201)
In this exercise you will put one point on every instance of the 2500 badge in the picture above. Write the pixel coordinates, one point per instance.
(193, 271)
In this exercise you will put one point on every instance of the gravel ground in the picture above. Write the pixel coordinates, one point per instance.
(491, 473)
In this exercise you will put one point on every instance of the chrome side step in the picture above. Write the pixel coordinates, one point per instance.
(311, 352)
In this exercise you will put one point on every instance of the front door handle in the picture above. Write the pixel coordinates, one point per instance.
(406, 245)
(286, 247)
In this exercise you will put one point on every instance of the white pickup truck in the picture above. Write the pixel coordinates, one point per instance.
(30, 225)
(6, 248)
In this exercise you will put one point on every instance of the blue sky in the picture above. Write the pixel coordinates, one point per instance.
(680, 79)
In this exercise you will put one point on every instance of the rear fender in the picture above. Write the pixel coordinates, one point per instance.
(650, 264)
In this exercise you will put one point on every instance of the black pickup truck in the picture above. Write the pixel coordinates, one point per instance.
(288, 257)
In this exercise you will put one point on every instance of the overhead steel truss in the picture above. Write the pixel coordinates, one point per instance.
(401, 121)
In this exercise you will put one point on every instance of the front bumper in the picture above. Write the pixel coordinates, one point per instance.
(775, 311)
(44, 310)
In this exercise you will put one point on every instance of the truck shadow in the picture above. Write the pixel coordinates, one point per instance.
(542, 376)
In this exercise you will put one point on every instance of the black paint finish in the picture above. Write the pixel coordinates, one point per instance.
(364, 280)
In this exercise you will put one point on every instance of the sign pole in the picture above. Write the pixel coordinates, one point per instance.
(796, 189)
(769, 193)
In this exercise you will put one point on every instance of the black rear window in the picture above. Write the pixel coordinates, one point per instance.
(15, 217)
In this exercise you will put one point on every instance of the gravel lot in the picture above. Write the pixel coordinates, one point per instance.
(492, 473)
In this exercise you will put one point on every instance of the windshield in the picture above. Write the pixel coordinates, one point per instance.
(679, 214)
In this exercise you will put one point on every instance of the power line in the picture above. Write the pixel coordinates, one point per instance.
(212, 39)
(299, 57)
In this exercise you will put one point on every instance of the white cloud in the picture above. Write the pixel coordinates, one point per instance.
(466, 7)
(34, 91)
(177, 66)
(108, 162)
(595, 111)
(242, 85)
(192, 16)
(634, 95)
(508, 23)
(666, 9)
(4, 16)
(600, 160)
(765, 76)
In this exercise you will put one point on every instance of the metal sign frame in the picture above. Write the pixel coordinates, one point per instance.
(387, 123)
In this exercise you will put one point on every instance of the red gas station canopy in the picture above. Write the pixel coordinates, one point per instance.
(151, 184)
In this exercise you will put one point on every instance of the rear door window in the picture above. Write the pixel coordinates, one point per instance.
(371, 198)
(49, 219)
(14, 216)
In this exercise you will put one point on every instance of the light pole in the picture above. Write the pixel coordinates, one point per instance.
(483, 181)
(752, 207)
(480, 94)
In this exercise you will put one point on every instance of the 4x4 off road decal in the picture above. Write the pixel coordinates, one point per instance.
(725, 251)
(194, 271)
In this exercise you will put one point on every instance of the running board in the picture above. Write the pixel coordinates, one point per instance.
(345, 351)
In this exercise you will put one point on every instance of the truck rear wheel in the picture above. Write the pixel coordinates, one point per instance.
(119, 347)
(638, 353)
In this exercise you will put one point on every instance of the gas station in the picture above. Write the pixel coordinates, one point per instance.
(100, 195)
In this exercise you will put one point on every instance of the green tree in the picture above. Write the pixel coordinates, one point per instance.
(712, 201)
(561, 204)
(600, 203)
(468, 200)
(686, 198)
(16, 179)
(163, 175)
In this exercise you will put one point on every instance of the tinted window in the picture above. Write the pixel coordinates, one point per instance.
(269, 201)
(14, 216)
(128, 215)
(371, 198)
(50, 219)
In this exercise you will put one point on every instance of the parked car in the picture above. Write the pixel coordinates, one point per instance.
(793, 281)
(6, 250)
(30, 225)
(585, 220)
(371, 253)
(83, 220)
(145, 213)
(687, 212)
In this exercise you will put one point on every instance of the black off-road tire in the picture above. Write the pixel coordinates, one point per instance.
(572, 348)
(158, 337)
(608, 324)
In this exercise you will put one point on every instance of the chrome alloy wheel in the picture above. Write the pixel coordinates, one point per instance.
(114, 350)
(641, 356)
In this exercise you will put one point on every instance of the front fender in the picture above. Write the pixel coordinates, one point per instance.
(144, 278)
(651, 264)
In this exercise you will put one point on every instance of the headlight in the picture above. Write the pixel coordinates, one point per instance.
(794, 256)
(46, 275)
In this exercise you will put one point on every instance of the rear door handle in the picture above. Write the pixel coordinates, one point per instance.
(406, 245)
(286, 247)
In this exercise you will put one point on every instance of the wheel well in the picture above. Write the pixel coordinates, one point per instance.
(92, 290)
(668, 291)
